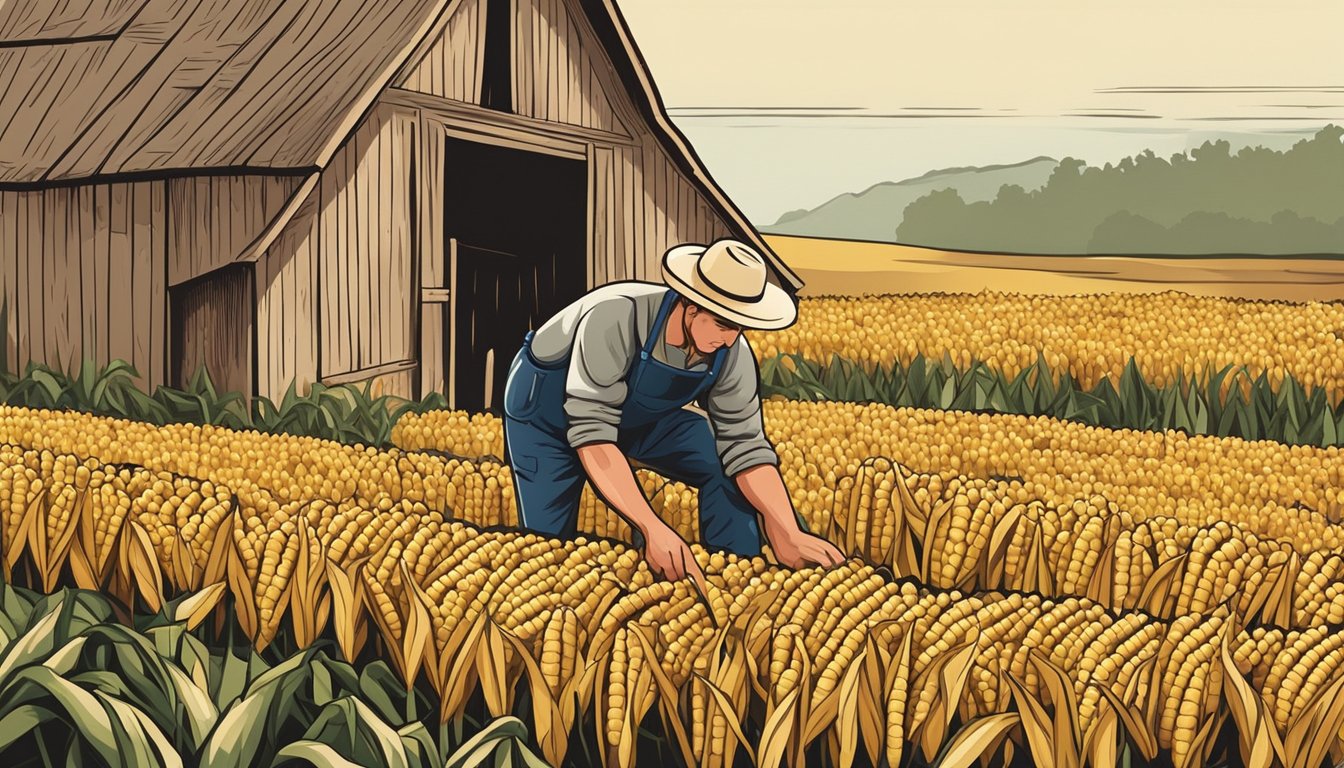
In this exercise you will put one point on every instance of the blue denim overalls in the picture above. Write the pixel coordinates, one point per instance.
(655, 430)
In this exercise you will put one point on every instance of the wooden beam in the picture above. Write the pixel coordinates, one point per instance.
(370, 372)
(263, 241)
(461, 112)
(434, 295)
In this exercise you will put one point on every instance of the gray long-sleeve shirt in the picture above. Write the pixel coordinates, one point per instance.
(603, 332)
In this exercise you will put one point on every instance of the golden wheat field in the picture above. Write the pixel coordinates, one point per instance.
(1016, 586)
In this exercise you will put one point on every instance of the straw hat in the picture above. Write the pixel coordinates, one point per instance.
(728, 278)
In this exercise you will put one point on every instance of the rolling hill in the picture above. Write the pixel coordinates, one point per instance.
(874, 213)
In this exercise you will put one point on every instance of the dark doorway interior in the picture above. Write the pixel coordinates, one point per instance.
(211, 326)
(520, 220)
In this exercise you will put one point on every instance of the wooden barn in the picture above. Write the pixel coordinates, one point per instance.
(329, 190)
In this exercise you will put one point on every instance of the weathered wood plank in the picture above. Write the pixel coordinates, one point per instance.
(158, 275)
(643, 223)
(653, 161)
(104, 104)
(349, 253)
(56, 279)
(24, 311)
(390, 217)
(329, 282)
(431, 349)
(366, 250)
(598, 225)
(215, 220)
(30, 22)
(403, 283)
(36, 77)
(305, 317)
(579, 114)
(553, 63)
(360, 62)
(658, 193)
(430, 193)
(120, 315)
(538, 60)
(524, 67)
(89, 305)
(270, 323)
(560, 61)
(9, 279)
(477, 37)
(626, 219)
(250, 95)
(141, 266)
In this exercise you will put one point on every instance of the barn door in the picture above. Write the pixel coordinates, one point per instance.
(517, 227)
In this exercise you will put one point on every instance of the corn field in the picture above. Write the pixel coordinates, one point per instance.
(979, 614)
(1091, 337)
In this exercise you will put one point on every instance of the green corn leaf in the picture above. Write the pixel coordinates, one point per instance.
(36, 643)
(144, 742)
(50, 386)
(418, 744)
(236, 738)
(476, 749)
(917, 375)
(18, 721)
(88, 718)
(947, 394)
(312, 753)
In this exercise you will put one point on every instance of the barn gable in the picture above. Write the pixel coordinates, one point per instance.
(544, 36)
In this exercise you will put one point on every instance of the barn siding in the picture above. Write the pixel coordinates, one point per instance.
(555, 75)
(365, 247)
(287, 319)
(84, 276)
(452, 66)
(213, 218)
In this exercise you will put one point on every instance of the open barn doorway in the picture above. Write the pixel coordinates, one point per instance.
(210, 325)
(517, 233)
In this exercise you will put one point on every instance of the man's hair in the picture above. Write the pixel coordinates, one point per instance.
(686, 302)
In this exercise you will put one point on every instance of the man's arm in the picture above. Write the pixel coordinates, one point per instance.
(614, 480)
(595, 391)
(667, 554)
(734, 407)
(764, 488)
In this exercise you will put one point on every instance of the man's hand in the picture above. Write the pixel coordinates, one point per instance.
(799, 550)
(670, 557)
(764, 488)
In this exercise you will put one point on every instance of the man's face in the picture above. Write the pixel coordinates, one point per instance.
(709, 331)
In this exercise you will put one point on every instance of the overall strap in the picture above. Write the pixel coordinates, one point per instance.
(656, 332)
(713, 373)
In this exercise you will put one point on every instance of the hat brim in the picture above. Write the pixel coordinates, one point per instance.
(775, 310)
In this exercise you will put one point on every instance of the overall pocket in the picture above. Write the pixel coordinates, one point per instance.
(522, 391)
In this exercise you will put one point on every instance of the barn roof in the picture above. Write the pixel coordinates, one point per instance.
(129, 89)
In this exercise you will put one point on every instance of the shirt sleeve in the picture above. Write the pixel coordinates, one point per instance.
(734, 408)
(595, 389)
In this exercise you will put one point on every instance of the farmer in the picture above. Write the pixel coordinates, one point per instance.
(603, 382)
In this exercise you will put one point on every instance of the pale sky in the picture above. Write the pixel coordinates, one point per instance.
(1037, 57)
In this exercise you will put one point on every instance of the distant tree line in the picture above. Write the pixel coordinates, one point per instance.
(1258, 201)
